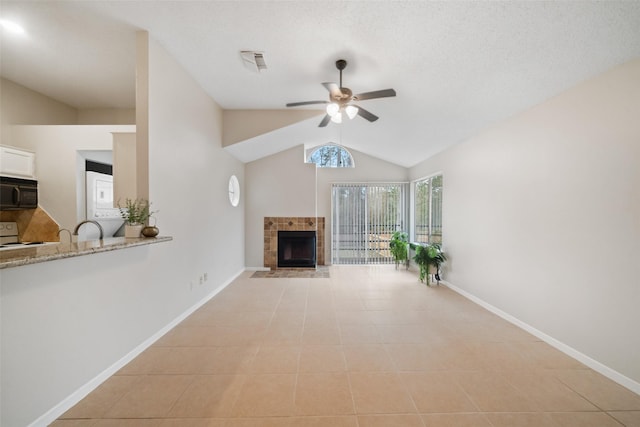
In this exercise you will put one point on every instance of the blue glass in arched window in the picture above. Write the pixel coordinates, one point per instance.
(331, 156)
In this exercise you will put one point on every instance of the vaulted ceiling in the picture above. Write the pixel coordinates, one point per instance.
(457, 67)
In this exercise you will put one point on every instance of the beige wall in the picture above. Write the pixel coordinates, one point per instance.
(283, 185)
(240, 125)
(59, 161)
(189, 173)
(22, 106)
(107, 116)
(34, 121)
(60, 155)
(279, 185)
(542, 219)
(74, 321)
(124, 167)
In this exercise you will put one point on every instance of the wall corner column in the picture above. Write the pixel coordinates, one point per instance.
(142, 114)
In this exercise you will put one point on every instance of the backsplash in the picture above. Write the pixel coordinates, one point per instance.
(274, 224)
(34, 225)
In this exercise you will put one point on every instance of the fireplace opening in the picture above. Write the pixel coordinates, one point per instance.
(296, 249)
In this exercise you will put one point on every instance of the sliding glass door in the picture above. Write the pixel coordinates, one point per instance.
(364, 216)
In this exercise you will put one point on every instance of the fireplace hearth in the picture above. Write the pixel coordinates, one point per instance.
(296, 249)
(273, 225)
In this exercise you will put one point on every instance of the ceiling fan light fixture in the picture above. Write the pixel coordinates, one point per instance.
(333, 109)
(340, 99)
(351, 111)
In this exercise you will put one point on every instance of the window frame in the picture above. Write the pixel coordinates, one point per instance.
(312, 151)
(413, 220)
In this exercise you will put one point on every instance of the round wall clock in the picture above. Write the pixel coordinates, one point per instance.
(234, 191)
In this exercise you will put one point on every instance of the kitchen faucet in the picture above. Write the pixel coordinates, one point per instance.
(75, 231)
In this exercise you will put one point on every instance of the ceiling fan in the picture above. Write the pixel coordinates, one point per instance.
(341, 100)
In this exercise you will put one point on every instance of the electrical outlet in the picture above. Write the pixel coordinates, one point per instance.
(206, 277)
(201, 280)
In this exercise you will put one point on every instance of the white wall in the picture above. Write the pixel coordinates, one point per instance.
(542, 218)
(56, 149)
(66, 323)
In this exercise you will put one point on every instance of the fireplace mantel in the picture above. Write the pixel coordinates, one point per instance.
(274, 224)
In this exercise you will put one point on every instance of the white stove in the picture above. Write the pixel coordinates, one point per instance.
(9, 237)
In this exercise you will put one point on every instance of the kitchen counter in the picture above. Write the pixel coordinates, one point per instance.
(35, 254)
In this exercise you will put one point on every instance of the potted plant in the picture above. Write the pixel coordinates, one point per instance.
(399, 246)
(427, 256)
(135, 213)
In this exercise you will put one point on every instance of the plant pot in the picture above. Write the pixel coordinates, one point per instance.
(132, 231)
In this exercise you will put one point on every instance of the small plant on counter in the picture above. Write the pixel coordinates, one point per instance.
(399, 246)
(427, 256)
(135, 212)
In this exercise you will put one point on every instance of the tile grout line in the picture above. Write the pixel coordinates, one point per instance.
(297, 374)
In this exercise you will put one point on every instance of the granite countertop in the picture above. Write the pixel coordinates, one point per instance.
(35, 254)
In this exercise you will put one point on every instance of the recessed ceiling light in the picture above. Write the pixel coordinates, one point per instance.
(11, 26)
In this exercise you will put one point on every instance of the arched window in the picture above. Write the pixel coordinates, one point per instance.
(331, 156)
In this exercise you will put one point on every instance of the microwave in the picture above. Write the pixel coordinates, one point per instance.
(18, 193)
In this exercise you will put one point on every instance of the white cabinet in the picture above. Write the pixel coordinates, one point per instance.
(17, 162)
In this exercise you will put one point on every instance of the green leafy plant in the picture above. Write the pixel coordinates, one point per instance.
(399, 246)
(135, 211)
(426, 256)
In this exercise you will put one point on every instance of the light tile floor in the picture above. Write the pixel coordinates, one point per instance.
(368, 347)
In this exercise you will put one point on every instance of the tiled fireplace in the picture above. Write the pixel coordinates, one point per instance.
(274, 224)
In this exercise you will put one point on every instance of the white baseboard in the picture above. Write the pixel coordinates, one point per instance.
(612, 374)
(75, 397)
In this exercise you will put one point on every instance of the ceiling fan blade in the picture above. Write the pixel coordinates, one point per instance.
(297, 104)
(366, 114)
(375, 94)
(325, 121)
(333, 89)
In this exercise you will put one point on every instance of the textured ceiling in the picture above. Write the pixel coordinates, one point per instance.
(457, 67)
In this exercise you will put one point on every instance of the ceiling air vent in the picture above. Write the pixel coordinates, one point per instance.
(253, 60)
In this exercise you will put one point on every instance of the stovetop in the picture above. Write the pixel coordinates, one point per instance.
(9, 236)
